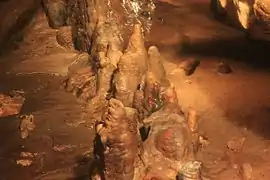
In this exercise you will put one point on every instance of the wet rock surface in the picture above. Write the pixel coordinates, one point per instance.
(169, 142)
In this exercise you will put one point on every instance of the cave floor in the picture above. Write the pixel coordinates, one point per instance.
(232, 108)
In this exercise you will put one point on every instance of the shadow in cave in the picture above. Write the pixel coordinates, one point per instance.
(81, 171)
(36, 88)
(253, 53)
(17, 24)
(90, 166)
(257, 122)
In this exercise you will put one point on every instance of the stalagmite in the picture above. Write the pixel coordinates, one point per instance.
(127, 89)
(155, 65)
(156, 81)
(131, 68)
(120, 140)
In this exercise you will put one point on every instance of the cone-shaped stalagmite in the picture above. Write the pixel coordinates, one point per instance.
(156, 81)
(131, 68)
(120, 139)
(155, 65)
(149, 97)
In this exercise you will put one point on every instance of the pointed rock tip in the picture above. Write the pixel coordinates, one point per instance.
(136, 40)
(137, 29)
(153, 50)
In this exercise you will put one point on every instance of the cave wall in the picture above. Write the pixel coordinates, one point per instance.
(14, 16)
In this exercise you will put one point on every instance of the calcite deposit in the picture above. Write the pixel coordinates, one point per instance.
(141, 130)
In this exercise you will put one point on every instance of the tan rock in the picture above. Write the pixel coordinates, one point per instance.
(11, 105)
(224, 68)
(24, 162)
(246, 171)
(236, 144)
(189, 66)
(27, 125)
(64, 38)
(27, 155)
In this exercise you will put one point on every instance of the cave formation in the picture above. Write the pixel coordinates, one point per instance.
(141, 130)
(125, 86)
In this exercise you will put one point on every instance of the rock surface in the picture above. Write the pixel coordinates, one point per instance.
(14, 18)
(57, 12)
(126, 88)
(11, 105)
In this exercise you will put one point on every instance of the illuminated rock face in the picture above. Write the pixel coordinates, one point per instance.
(252, 16)
(126, 90)
(141, 86)
(262, 12)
